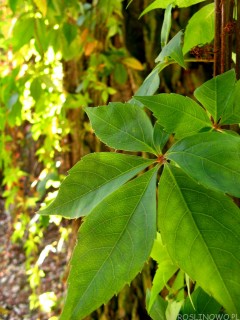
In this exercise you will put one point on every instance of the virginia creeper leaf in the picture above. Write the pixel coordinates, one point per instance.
(216, 94)
(211, 158)
(232, 111)
(160, 137)
(113, 244)
(201, 229)
(122, 126)
(165, 270)
(201, 303)
(91, 180)
(176, 113)
(158, 310)
(173, 50)
(203, 19)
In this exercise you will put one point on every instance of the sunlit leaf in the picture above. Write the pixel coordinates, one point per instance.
(201, 229)
(42, 6)
(91, 180)
(103, 262)
(211, 158)
(203, 19)
(165, 270)
(133, 63)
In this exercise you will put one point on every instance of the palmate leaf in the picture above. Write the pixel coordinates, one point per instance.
(216, 95)
(201, 229)
(160, 137)
(122, 126)
(113, 244)
(91, 180)
(176, 113)
(203, 19)
(211, 158)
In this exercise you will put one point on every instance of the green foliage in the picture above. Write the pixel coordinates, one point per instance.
(112, 258)
(198, 222)
(201, 20)
(197, 177)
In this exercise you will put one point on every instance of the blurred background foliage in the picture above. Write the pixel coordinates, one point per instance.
(57, 56)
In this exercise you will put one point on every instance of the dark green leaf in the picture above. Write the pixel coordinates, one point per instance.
(216, 95)
(70, 32)
(173, 50)
(91, 180)
(203, 19)
(158, 310)
(211, 158)
(122, 126)
(160, 137)
(113, 244)
(201, 229)
(176, 113)
(201, 303)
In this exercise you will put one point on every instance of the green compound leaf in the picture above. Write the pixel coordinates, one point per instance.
(173, 50)
(201, 229)
(211, 158)
(216, 95)
(113, 244)
(122, 126)
(91, 180)
(176, 113)
(203, 19)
